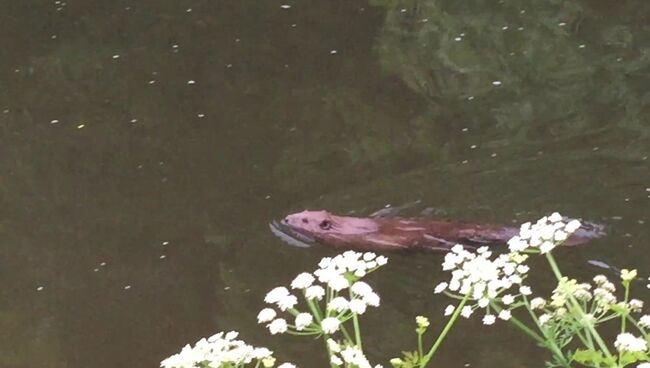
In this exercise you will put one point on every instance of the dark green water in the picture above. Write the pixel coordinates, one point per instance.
(145, 146)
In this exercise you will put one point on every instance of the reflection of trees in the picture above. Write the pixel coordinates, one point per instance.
(565, 68)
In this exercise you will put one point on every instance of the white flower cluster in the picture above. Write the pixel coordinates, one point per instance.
(349, 356)
(546, 234)
(626, 342)
(333, 276)
(484, 280)
(599, 299)
(218, 351)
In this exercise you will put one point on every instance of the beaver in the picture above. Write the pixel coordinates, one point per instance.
(305, 228)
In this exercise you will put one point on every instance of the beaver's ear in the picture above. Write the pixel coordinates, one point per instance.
(325, 224)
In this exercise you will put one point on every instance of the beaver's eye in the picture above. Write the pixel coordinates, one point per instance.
(325, 224)
(304, 220)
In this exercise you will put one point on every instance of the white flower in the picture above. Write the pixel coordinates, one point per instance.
(361, 288)
(286, 365)
(505, 315)
(330, 325)
(287, 302)
(555, 217)
(338, 304)
(303, 320)
(560, 236)
(483, 302)
(572, 226)
(276, 294)
(336, 360)
(449, 310)
(369, 256)
(525, 290)
(600, 279)
(381, 260)
(508, 299)
(215, 351)
(546, 247)
(466, 311)
(333, 346)
(645, 321)
(372, 299)
(636, 305)
(643, 365)
(440, 288)
(338, 283)
(302, 281)
(357, 306)
(628, 342)
(537, 303)
(278, 326)
(314, 292)
(266, 315)
(489, 319)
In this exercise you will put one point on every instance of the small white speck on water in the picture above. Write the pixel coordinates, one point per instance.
(496, 83)
(403, 10)
(96, 270)
(16, 70)
(174, 46)
(226, 288)
(237, 40)
(640, 222)
(333, 52)
(464, 130)
(494, 155)
(200, 115)
(619, 59)
(127, 8)
(595, 148)
(40, 288)
(647, 189)
(539, 153)
(582, 46)
(191, 81)
(165, 243)
(294, 25)
(505, 28)
(134, 120)
(127, 287)
(116, 56)
(512, 54)
(626, 199)
(5, 111)
(285, 6)
(458, 39)
(473, 146)
(229, 66)
(81, 126)
(520, 28)
(522, 12)
(268, 197)
(561, 24)
(464, 162)
(470, 98)
(644, 158)
(103, 264)
(55, 121)
(462, 34)
(286, 66)
(425, 20)
(188, 10)
(152, 81)
(163, 256)
(53, 37)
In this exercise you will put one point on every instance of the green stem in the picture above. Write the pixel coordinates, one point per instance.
(425, 359)
(357, 328)
(590, 327)
(420, 348)
(627, 297)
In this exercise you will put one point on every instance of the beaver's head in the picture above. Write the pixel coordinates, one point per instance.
(317, 224)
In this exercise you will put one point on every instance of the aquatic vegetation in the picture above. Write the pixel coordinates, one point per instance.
(327, 303)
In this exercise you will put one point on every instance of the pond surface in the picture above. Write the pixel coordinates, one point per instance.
(146, 145)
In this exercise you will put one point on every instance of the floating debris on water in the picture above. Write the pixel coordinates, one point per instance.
(285, 6)
(333, 52)
(40, 288)
(165, 243)
(473, 146)
(81, 126)
(191, 81)
(103, 264)
(134, 120)
(163, 256)
(582, 46)
(55, 121)
(470, 98)
(561, 24)
(458, 39)
(127, 287)
(200, 115)
(496, 83)
(116, 56)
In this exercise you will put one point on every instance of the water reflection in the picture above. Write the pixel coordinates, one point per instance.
(146, 147)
